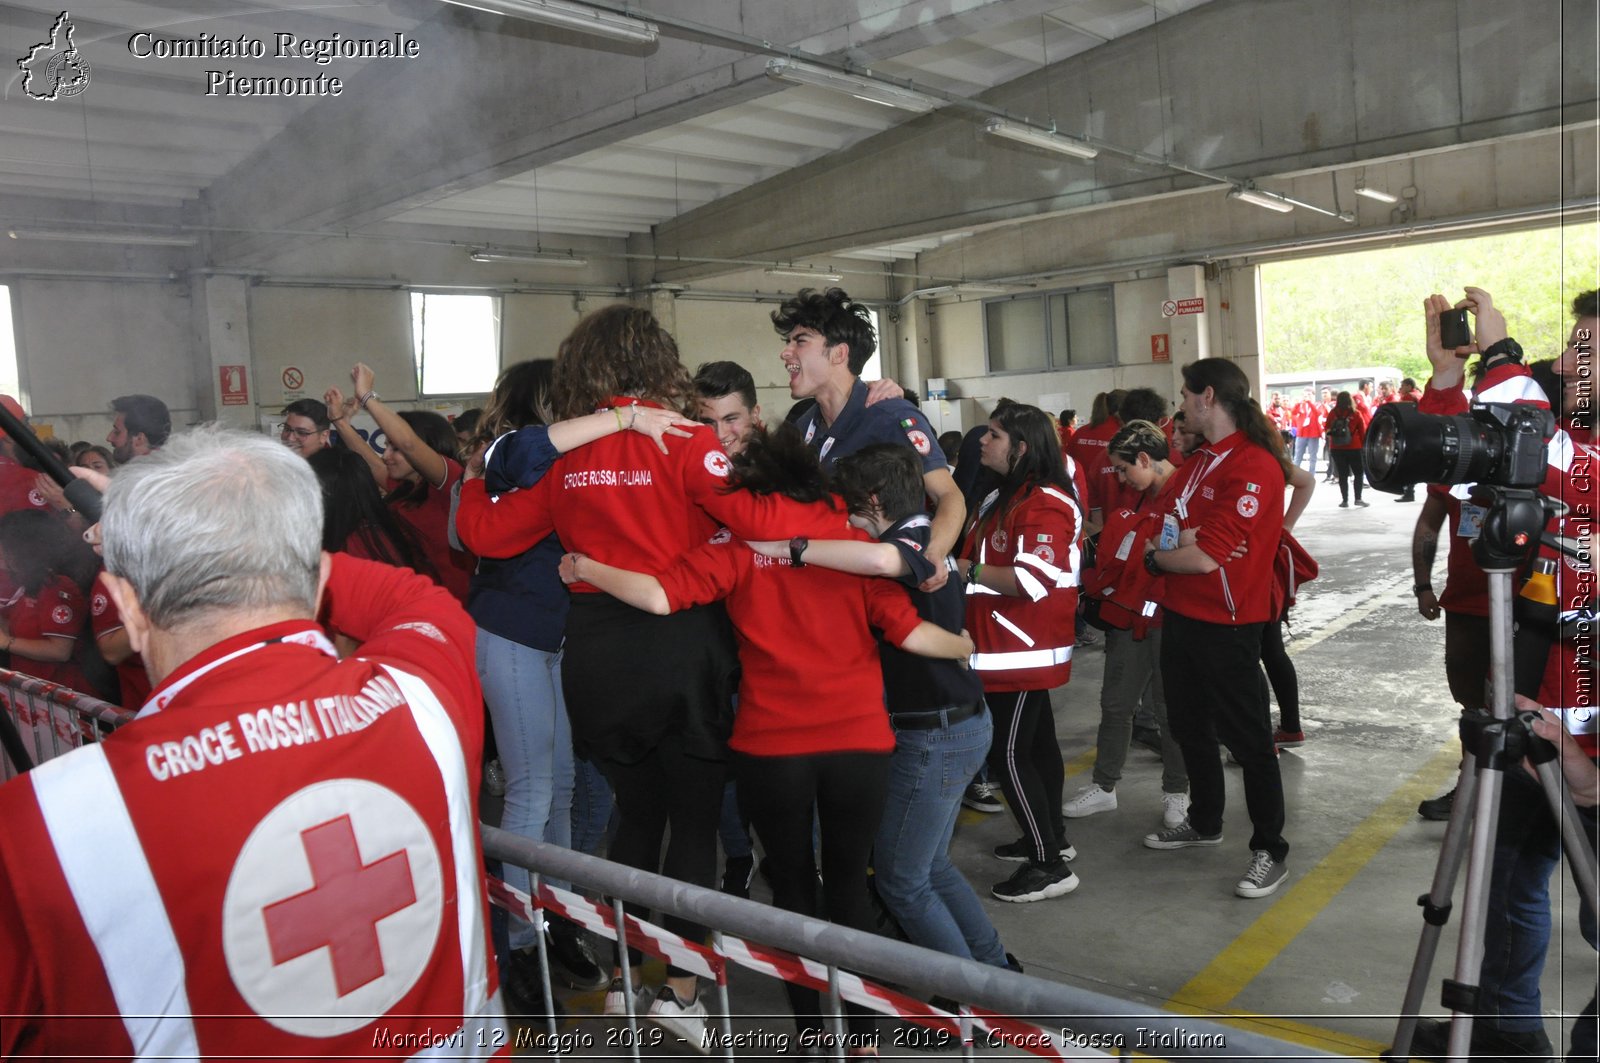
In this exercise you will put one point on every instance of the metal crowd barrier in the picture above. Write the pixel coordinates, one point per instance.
(47, 720)
(1013, 1011)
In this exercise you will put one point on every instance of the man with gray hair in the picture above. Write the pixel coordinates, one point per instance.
(279, 855)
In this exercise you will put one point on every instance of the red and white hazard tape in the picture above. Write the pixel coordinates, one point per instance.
(662, 944)
(774, 962)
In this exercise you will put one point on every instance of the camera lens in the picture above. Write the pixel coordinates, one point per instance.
(1405, 447)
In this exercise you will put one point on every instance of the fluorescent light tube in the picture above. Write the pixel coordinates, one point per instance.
(814, 274)
(1375, 193)
(89, 236)
(1039, 138)
(543, 258)
(861, 88)
(1261, 199)
(578, 17)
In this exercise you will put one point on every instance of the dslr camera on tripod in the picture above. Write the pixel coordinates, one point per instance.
(1498, 444)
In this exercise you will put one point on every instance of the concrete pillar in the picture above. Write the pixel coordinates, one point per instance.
(221, 309)
(664, 305)
(1240, 336)
(1189, 328)
(912, 360)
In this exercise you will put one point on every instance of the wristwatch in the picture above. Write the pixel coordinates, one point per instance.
(797, 546)
(1150, 565)
(1418, 588)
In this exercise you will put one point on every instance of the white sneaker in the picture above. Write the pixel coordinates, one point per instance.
(1174, 809)
(1088, 801)
(687, 1021)
(616, 1005)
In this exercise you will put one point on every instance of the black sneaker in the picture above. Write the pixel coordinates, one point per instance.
(1021, 851)
(982, 797)
(736, 874)
(1438, 808)
(1432, 1041)
(1148, 737)
(1036, 882)
(523, 989)
(572, 964)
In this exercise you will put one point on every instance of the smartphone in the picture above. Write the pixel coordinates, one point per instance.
(1454, 332)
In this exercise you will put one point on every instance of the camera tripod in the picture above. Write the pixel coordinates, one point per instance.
(1493, 744)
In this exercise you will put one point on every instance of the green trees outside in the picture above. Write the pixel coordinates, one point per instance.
(1365, 307)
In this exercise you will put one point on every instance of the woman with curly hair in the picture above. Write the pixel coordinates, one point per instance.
(649, 697)
(811, 733)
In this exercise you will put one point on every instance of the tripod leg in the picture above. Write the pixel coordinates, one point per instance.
(1579, 854)
(1435, 906)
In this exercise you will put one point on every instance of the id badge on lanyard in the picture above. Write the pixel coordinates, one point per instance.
(1471, 523)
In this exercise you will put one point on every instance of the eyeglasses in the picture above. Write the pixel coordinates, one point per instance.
(303, 433)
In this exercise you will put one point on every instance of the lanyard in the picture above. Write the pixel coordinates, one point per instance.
(1181, 505)
(166, 695)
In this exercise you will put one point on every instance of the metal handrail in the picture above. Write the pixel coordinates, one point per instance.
(31, 692)
(1044, 1003)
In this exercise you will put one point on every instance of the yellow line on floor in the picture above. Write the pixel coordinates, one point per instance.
(1235, 967)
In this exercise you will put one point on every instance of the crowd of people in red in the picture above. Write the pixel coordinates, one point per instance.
(799, 607)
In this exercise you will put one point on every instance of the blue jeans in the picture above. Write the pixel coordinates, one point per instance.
(921, 887)
(593, 810)
(732, 829)
(1516, 936)
(1304, 445)
(522, 687)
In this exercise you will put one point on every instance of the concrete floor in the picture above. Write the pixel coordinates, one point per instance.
(1324, 961)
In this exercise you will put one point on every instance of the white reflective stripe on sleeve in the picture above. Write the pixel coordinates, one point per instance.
(1014, 629)
(1148, 609)
(1059, 576)
(1521, 388)
(1579, 721)
(1029, 584)
(1017, 659)
(115, 891)
(1559, 452)
(439, 732)
(1062, 495)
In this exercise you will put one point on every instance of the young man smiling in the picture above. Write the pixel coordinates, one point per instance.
(828, 339)
(725, 399)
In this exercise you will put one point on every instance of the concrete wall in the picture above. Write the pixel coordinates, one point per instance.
(81, 343)
(1230, 322)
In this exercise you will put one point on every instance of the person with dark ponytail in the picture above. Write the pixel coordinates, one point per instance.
(420, 458)
(1020, 559)
(1216, 551)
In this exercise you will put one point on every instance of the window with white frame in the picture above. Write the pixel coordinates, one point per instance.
(456, 341)
(10, 375)
(1054, 330)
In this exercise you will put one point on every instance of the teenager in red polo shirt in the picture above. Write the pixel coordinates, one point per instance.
(42, 625)
(811, 731)
(1307, 420)
(649, 697)
(1227, 497)
(1088, 449)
